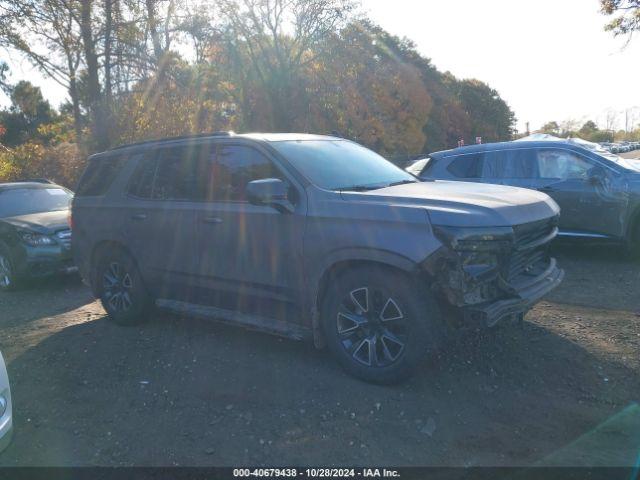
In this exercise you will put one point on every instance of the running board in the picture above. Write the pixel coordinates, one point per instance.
(254, 322)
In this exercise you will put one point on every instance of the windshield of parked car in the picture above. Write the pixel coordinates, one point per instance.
(628, 163)
(417, 167)
(341, 165)
(23, 201)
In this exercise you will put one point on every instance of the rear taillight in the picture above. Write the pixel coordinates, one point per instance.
(70, 220)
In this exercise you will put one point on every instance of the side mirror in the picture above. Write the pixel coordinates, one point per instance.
(270, 192)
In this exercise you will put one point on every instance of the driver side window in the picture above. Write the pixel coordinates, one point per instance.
(562, 165)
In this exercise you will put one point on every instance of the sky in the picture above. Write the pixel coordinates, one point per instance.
(549, 59)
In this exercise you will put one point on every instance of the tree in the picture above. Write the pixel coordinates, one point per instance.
(627, 16)
(551, 128)
(29, 110)
(46, 33)
(4, 69)
(365, 92)
(272, 40)
(490, 116)
(588, 129)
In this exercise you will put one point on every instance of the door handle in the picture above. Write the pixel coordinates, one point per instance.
(139, 216)
(212, 220)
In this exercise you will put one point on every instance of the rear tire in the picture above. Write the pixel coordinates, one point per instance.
(121, 289)
(379, 324)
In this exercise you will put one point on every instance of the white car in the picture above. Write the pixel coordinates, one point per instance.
(6, 422)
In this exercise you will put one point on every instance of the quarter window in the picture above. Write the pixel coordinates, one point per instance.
(99, 175)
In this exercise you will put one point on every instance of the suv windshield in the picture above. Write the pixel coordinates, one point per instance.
(341, 164)
(628, 163)
(23, 201)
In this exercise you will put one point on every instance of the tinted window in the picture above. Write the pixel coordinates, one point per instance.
(510, 164)
(99, 176)
(562, 164)
(23, 201)
(141, 184)
(184, 173)
(466, 166)
(236, 166)
(340, 164)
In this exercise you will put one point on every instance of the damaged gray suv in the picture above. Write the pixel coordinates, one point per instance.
(310, 237)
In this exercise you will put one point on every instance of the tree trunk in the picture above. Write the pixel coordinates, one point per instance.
(108, 4)
(100, 140)
(75, 103)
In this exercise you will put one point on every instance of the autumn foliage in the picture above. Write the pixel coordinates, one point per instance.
(324, 72)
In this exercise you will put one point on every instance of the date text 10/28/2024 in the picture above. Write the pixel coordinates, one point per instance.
(316, 472)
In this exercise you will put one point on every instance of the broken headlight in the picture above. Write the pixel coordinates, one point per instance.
(480, 250)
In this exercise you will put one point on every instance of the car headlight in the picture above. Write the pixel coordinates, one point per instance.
(475, 239)
(479, 250)
(36, 239)
(3, 405)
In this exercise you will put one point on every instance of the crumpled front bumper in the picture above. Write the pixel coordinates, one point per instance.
(524, 292)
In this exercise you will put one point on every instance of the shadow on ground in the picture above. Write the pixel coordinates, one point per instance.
(193, 392)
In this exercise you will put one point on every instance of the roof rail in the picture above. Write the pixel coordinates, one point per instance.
(169, 139)
(35, 180)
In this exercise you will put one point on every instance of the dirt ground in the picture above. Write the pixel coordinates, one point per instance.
(559, 390)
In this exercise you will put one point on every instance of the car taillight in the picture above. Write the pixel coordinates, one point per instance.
(70, 220)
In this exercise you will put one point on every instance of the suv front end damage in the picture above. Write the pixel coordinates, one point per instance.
(492, 273)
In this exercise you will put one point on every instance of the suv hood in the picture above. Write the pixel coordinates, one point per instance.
(43, 222)
(465, 204)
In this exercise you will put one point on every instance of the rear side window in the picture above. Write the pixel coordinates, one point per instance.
(510, 164)
(99, 175)
(200, 173)
(466, 166)
(141, 183)
(184, 173)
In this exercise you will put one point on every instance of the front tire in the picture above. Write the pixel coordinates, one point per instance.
(121, 288)
(379, 325)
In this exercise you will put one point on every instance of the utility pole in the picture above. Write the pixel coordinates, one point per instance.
(626, 121)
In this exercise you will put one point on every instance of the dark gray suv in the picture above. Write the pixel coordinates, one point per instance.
(309, 237)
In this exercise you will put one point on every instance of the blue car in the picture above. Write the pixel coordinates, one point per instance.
(598, 193)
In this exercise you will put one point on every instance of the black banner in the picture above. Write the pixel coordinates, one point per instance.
(404, 473)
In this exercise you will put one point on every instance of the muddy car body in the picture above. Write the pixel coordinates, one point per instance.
(309, 236)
